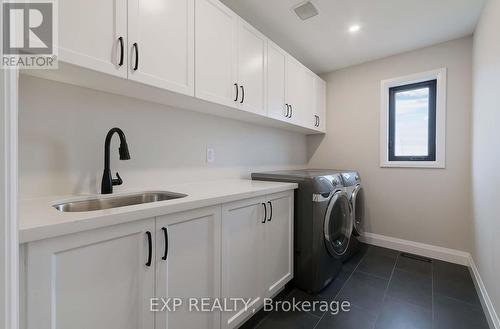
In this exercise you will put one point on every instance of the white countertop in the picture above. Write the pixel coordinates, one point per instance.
(39, 220)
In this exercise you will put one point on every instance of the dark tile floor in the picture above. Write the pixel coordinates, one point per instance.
(387, 290)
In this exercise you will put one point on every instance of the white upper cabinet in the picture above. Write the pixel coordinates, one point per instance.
(188, 266)
(95, 279)
(198, 48)
(93, 34)
(251, 69)
(161, 43)
(299, 88)
(215, 58)
(291, 89)
(230, 58)
(320, 104)
(277, 107)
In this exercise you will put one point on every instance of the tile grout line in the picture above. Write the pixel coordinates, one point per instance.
(350, 275)
(341, 288)
(387, 289)
(317, 323)
(477, 307)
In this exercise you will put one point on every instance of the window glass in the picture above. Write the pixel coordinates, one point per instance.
(412, 123)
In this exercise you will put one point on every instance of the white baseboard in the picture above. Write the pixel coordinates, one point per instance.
(444, 254)
(417, 248)
(492, 316)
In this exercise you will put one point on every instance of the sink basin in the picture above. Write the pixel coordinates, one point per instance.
(107, 202)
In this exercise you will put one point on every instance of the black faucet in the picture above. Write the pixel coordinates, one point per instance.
(107, 180)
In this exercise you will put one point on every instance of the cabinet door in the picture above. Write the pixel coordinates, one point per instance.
(89, 32)
(215, 57)
(251, 73)
(93, 279)
(320, 101)
(295, 84)
(163, 31)
(308, 100)
(190, 242)
(276, 78)
(242, 258)
(279, 242)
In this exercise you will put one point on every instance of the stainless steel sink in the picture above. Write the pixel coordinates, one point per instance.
(107, 202)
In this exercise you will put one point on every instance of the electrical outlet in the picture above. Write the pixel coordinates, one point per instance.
(210, 155)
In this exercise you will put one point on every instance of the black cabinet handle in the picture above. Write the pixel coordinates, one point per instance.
(150, 248)
(120, 40)
(318, 120)
(286, 114)
(136, 48)
(271, 210)
(265, 212)
(291, 111)
(165, 233)
(236, 98)
(242, 94)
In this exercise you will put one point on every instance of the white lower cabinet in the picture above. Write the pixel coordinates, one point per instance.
(188, 266)
(94, 279)
(106, 278)
(278, 242)
(257, 252)
(242, 256)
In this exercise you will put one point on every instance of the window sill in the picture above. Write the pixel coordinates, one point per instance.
(413, 164)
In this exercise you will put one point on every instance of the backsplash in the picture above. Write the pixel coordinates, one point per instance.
(62, 130)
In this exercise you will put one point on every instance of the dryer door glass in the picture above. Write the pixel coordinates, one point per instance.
(358, 209)
(338, 224)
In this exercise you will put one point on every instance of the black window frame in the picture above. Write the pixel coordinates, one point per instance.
(432, 85)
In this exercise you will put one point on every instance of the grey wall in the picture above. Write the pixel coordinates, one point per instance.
(62, 131)
(486, 149)
(425, 205)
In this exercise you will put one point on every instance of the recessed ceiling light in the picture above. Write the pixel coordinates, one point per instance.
(354, 28)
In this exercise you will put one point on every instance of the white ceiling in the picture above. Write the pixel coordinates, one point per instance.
(388, 27)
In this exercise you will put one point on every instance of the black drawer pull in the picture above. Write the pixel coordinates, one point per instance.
(165, 233)
(270, 210)
(265, 213)
(120, 40)
(150, 248)
(236, 98)
(136, 47)
(242, 94)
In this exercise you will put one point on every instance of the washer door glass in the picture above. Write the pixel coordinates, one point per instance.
(358, 209)
(338, 224)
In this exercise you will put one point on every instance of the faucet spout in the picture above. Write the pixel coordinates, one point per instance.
(107, 180)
